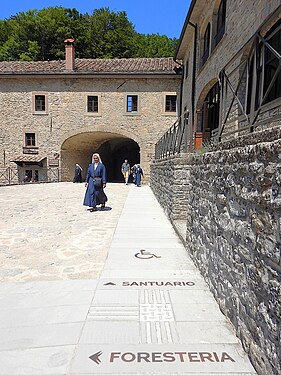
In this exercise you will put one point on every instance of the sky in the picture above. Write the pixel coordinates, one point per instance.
(165, 17)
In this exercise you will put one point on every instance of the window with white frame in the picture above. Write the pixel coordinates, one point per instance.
(39, 103)
(132, 103)
(30, 139)
(171, 103)
(93, 103)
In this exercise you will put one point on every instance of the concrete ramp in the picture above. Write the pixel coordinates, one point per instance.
(152, 312)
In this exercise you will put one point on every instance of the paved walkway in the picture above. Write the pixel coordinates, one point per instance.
(149, 312)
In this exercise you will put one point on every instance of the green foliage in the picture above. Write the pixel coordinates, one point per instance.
(111, 34)
(32, 53)
(155, 45)
(9, 50)
(39, 35)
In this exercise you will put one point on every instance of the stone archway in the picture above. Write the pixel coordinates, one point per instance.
(112, 147)
(208, 112)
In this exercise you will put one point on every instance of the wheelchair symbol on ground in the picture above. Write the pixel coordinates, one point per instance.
(144, 254)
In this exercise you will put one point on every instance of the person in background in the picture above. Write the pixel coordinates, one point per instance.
(95, 183)
(133, 171)
(125, 170)
(77, 173)
(139, 174)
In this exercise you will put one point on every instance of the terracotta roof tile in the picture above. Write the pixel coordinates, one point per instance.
(28, 158)
(138, 65)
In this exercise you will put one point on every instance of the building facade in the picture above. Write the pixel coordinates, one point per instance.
(230, 51)
(56, 114)
(222, 164)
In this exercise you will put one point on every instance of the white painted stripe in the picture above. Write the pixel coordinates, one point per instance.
(146, 296)
(162, 296)
(154, 297)
(148, 333)
(158, 333)
(168, 332)
(167, 296)
(150, 294)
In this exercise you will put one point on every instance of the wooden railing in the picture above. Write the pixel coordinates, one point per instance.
(11, 176)
(174, 140)
(246, 86)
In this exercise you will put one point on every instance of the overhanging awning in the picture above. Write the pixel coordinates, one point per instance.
(28, 159)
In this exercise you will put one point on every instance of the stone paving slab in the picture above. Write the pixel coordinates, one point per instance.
(148, 233)
(149, 258)
(123, 297)
(38, 361)
(47, 286)
(164, 265)
(40, 336)
(143, 359)
(141, 284)
(150, 242)
(12, 316)
(197, 312)
(146, 274)
(114, 332)
(60, 298)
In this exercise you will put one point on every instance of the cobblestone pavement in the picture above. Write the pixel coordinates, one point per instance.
(47, 234)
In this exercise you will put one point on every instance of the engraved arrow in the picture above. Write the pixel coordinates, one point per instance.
(95, 357)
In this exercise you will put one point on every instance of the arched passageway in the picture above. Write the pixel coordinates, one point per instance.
(210, 111)
(208, 115)
(112, 147)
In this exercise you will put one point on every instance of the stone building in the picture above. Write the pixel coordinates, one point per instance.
(217, 174)
(57, 113)
(230, 52)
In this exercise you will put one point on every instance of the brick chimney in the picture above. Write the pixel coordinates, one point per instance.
(69, 54)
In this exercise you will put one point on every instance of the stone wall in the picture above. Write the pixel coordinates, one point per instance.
(231, 200)
(172, 176)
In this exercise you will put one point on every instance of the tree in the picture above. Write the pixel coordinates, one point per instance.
(9, 49)
(155, 45)
(39, 35)
(110, 34)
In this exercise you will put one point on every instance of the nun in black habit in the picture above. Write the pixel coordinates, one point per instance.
(77, 173)
(95, 183)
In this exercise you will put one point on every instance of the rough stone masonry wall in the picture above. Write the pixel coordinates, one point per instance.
(233, 206)
(170, 182)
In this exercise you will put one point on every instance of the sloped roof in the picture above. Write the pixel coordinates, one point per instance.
(28, 158)
(164, 65)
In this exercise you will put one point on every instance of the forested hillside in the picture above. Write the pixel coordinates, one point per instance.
(39, 35)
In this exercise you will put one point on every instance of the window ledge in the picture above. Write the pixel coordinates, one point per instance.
(30, 149)
(169, 114)
(132, 114)
(40, 113)
(93, 114)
